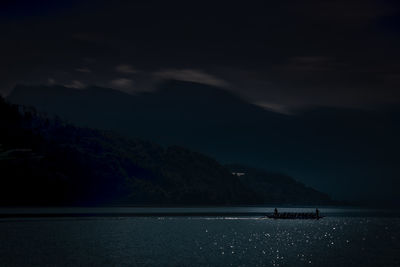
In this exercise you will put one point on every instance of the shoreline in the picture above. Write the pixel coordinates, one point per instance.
(64, 212)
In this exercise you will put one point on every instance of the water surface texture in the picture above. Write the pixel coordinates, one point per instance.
(200, 241)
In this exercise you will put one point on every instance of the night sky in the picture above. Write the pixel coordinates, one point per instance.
(282, 55)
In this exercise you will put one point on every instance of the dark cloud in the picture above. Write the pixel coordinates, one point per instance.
(84, 70)
(287, 54)
(190, 75)
(123, 84)
(125, 68)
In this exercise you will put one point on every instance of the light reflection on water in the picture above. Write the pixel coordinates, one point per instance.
(200, 241)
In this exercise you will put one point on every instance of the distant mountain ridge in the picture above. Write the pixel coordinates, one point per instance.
(332, 149)
(47, 162)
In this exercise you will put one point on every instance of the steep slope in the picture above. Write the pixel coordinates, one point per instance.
(46, 162)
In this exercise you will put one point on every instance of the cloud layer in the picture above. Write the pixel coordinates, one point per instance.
(191, 75)
(291, 53)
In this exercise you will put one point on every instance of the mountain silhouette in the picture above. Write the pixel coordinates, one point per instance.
(49, 162)
(335, 150)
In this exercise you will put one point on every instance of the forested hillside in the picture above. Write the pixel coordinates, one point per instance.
(46, 161)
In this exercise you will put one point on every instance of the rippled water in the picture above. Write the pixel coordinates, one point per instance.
(200, 241)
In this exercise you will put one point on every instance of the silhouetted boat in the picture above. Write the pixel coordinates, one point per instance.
(292, 215)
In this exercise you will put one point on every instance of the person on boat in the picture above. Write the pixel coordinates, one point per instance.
(317, 212)
(276, 212)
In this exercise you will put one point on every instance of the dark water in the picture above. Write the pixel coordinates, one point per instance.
(358, 239)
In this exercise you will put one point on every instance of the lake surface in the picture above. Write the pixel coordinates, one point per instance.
(355, 238)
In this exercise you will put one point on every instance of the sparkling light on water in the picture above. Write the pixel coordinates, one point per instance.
(200, 241)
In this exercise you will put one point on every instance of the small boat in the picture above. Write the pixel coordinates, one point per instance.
(292, 215)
